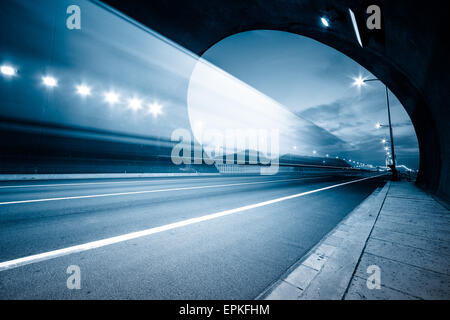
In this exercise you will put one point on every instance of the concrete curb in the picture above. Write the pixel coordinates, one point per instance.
(326, 271)
(69, 176)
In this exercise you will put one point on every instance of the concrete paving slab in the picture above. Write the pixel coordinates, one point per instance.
(301, 276)
(414, 206)
(315, 261)
(437, 246)
(417, 257)
(444, 216)
(333, 240)
(358, 291)
(405, 278)
(419, 221)
(429, 233)
(284, 291)
(325, 250)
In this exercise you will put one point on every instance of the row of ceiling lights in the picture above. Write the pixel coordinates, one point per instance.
(111, 97)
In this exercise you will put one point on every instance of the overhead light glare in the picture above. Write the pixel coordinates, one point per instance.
(8, 70)
(359, 82)
(111, 97)
(355, 27)
(135, 104)
(155, 109)
(83, 90)
(325, 22)
(49, 81)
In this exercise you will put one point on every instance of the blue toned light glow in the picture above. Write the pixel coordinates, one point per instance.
(83, 90)
(135, 104)
(359, 82)
(49, 81)
(111, 97)
(8, 70)
(325, 22)
(155, 109)
(355, 27)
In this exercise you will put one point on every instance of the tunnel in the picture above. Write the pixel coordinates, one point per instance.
(196, 150)
(402, 54)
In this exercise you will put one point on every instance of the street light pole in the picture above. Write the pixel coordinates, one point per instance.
(394, 167)
(361, 81)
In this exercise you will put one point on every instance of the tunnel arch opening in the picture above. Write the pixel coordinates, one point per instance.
(246, 56)
(407, 60)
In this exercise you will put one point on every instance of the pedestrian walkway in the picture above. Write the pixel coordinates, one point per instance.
(395, 245)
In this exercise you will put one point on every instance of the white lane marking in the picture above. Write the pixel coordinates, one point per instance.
(108, 182)
(153, 191)
(77, 184)
(11, 264)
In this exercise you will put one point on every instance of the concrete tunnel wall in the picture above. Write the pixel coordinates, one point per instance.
(409, 54)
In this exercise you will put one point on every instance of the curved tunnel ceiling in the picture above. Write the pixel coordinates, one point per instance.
(409, 57)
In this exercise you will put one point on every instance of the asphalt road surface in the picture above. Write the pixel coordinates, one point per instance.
(226, 237)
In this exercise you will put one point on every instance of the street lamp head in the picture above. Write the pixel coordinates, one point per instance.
(383, 141)
(378, 125)
(359, 82)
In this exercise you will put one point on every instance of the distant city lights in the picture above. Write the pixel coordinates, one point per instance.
(49, 81)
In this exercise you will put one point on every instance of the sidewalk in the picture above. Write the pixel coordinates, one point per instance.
(400, 229)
